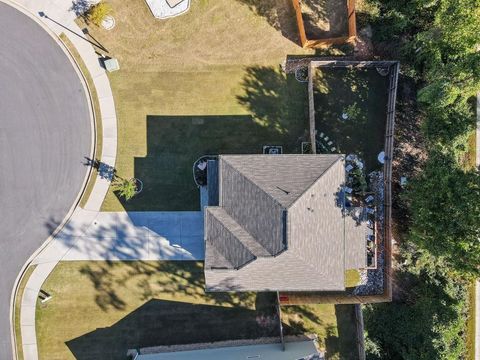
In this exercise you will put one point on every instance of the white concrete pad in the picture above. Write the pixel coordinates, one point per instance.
(139, 236)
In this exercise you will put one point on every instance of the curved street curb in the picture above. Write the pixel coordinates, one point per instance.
(76, 215)
(84, 183)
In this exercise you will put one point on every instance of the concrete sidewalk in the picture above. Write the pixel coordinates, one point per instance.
(58, 17)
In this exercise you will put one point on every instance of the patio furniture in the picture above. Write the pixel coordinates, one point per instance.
(272, 149)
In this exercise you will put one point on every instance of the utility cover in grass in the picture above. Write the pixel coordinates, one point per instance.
(163, 9)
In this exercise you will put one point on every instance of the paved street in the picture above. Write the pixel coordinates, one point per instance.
(44, 136)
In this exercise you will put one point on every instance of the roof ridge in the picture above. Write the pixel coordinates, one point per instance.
(340, 157)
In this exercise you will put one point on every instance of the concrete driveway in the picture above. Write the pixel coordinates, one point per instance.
(155, 235)
(44, 135)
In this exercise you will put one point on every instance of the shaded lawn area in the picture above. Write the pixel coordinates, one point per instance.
(363, 95)
(333, 324)
(101, 309)
(197, 64)
(173, 142)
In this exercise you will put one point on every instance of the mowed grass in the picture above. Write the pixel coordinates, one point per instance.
(174, 142)
(99, 310)
(360, 93)
(333, 324)
(220, 59)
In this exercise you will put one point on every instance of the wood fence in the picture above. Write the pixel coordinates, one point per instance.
(297, 298)
(322, 43)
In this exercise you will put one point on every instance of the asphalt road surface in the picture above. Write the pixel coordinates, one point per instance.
(44, 135)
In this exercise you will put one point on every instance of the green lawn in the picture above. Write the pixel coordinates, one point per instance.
(352, 278)
(333, 324)
(220, 59)
(174, 142)
(361, 93)
(101, 309)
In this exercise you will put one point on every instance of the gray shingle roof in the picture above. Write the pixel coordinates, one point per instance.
(288, 227)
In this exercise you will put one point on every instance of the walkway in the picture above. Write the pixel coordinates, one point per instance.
(59, 19)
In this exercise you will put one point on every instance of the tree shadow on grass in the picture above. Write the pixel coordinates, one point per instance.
(153, 279)
(279, 14)
(278, 107)
(275, 99)
(162, 322)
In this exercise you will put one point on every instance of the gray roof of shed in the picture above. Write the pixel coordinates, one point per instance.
(278, 225)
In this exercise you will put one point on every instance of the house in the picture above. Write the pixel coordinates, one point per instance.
(299, 349)
(277, 223)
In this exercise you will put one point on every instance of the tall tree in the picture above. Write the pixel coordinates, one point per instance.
(445, 206)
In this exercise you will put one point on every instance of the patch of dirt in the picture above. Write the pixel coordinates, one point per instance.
(363, 47)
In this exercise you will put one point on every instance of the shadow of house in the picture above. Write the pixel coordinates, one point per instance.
(278, 107)
(161, 322)
(346, 326)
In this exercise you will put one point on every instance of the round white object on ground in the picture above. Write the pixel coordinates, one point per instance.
(108, 23)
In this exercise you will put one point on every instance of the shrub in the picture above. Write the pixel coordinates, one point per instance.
(125, 188)
(98, 12)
